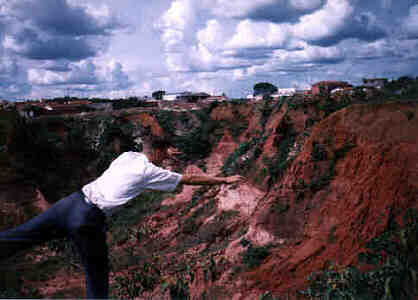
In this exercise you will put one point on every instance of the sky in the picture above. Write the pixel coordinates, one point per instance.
(124, 48)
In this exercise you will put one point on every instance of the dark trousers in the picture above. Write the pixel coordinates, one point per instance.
(84, 223)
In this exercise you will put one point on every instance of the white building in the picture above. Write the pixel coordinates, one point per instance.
(175, 96)
(287, 92)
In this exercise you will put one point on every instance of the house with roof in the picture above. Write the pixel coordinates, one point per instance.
(325, 87)
(377, 83)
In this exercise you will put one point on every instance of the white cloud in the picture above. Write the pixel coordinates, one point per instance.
(178, 16)
(207, 44)
(86, 73)
(305, 4)
(325, 21)
(251, 34)
(386, 4)
(43, 77)
(9, 42)
(410, 24)
(239, 74)
(175, 23)
(237, 8)
(311, 54)
(13, 78)
(213, 35)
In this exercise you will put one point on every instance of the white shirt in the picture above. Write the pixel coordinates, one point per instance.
(127, 177)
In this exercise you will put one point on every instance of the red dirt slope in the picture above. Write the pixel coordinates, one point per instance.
(377, 177)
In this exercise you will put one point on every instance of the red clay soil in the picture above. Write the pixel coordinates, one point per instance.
(309, 228)
(376, 178)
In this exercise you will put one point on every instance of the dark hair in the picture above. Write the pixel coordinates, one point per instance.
(160, 143)
(127, 142)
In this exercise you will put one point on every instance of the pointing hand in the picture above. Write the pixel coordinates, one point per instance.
(234, 179)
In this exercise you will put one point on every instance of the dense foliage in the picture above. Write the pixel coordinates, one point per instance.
(158, 95)
(264, 88)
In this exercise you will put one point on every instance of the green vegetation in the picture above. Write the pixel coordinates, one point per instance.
(267, 296)
(237, 163)
(253, 256)
(158, 95)
(295, 102)
(266, 111)
(132, 285)
(318, 152)
(166, 120)
(329, 105)
(180, 290)
(135, 210)
(63, 152)
(394, 257)
(236, 127)
(405, 87)
(409, 115)
(264, 88)
(322, 180)
(279, 163)
(279, 207)
(309, 122)
(197, 144)
(7, 119)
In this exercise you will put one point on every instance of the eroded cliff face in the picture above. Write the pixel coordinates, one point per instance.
(357, 169)
(317, 189)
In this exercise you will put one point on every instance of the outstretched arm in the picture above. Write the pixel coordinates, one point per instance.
(209, 180)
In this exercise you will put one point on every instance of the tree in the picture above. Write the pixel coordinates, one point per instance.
(264, 88)
(158, 95)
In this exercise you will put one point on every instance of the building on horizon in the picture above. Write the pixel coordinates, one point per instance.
(284, 92)
(377, 83)
(185, 96)
(216, 98)
(325, 87)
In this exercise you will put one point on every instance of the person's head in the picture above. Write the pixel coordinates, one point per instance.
(119, 142)
(159, 150)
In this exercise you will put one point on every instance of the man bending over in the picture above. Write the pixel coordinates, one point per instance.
(82, 215)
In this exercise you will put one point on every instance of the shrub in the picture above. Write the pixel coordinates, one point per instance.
(266, 111)
(197, 144)
(136, 282)
(180, 290)
(309, 122)
(318, 152)
(329, 105)
(166, 121)
(394, 255)
(254, 256)
(322, 180)
(278, 164)
(232, 164)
